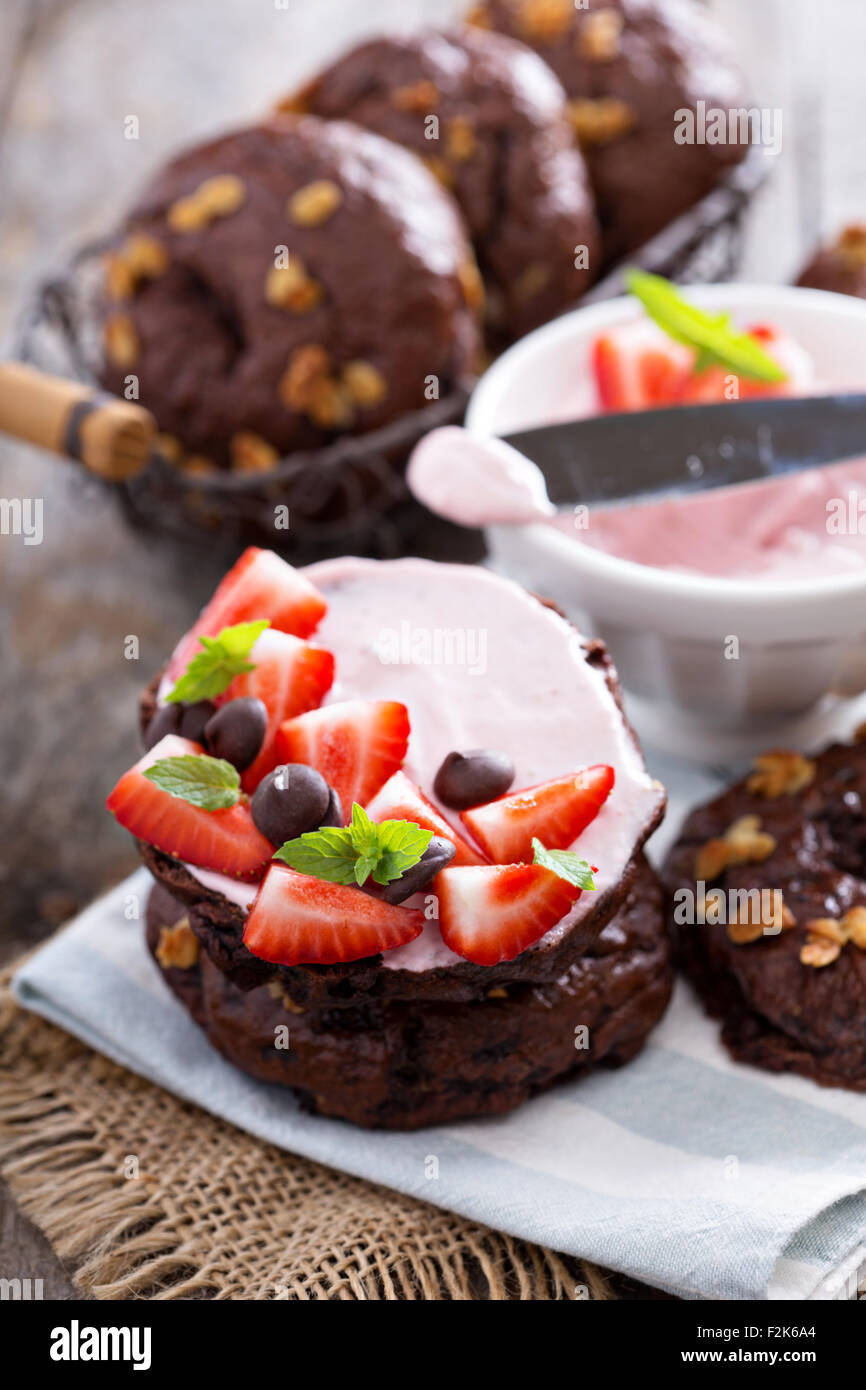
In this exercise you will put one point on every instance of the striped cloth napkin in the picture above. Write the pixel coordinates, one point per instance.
(684, 1170)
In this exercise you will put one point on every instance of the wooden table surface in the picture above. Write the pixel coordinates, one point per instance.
(70, 73)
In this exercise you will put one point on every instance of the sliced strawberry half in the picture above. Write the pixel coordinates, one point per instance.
(298, 920)
(259, 585)
(225, 841)
(638, 367)
(290, 677)
(356, 745)
(556, 812)
(494, 912)
(400, 799)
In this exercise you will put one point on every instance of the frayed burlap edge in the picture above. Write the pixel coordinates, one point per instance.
(144, 1196)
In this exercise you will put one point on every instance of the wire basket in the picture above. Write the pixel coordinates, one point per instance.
(350, 496)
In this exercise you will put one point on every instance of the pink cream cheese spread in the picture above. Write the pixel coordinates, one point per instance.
(801, 526)
(793, 527)
(478, 664)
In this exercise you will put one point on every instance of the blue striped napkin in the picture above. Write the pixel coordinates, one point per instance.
(703, 1178)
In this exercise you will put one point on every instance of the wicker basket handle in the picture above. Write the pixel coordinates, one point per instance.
(111, 437)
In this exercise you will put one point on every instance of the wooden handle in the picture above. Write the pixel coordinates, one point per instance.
(111, 437)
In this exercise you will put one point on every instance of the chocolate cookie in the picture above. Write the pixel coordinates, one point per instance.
(488, 117)
(401, 1066)
(785, 971)
(841, 266)
(284, 284)
(628, 66)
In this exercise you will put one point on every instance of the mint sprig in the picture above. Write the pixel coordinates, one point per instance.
(353, 853)
(565, 863)
(225, 656)
(713, 337)
(211, 783)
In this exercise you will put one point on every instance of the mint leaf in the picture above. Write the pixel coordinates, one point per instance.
(354, 853)
(401, 846)
(210, 783)
(212, 671)
(327, 854)
(711, 335)
(565, 863)
(364, 832)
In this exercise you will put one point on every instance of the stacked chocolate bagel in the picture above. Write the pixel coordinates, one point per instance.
(479, 1008)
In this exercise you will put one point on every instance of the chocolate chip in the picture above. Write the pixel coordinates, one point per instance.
(289, 801)
(237, 731)
(165, 721)
(473, 778)
(334, 813)
(436, 856)
(194, 718)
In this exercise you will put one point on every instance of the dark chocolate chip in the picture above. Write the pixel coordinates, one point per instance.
(437, 855)
(334, 813)
(473, 778)
(194, 718)
(165, 721)
(237, 731)
(289, 801)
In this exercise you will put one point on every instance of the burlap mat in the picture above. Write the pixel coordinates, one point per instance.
(145, 1196)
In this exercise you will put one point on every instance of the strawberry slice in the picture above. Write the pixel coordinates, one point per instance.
(555, 811)
(298, 920)
(356, 745)
(494, 912)
(259, 585)
(225, 841)
(290, 677)
(638, 367)
(400, 799)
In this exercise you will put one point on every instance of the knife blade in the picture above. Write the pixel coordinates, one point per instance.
(692, 448)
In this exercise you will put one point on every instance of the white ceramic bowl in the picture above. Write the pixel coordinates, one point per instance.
(797, 641)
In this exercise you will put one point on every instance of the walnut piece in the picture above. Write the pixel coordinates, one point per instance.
(471, 284)
(597, 122)
(291, 287)
(545, 20)
(219, 196)
(419, 96)
(461, 143)
(140, 257)
(752, 927)
(827, 937)
(315, 203)
(250, 453)
(121, 340)
(819, 952)
(440, 169)
(599, 36)
(744, 842)
(178, 947)
(851, 246)
(364, 382)
(309, 386)
(781, 773)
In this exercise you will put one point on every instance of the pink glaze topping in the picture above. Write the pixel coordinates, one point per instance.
(479, 663)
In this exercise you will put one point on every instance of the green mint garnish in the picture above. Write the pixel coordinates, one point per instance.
(353, 853)
(225, 656)
(716, 342)
(565, 863)
(211, 783)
